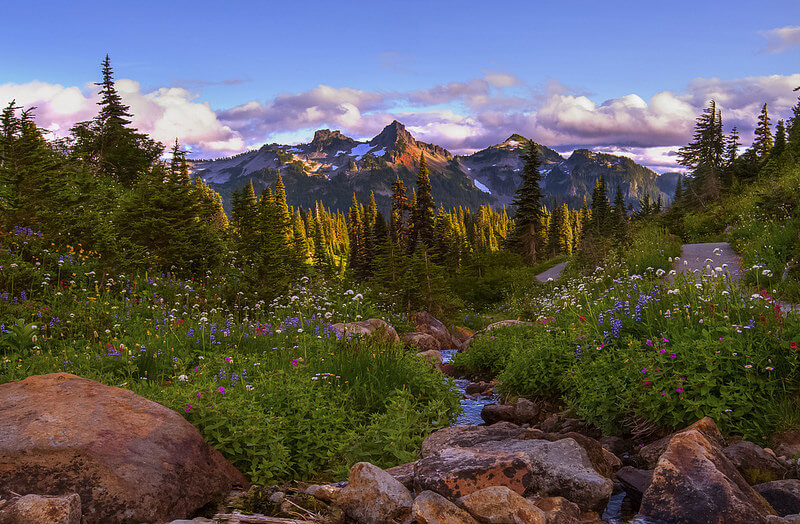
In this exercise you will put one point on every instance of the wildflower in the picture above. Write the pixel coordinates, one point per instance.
(660, 272)
(199, 395)
(649, 342)
(221, 389)
(644, 370)
(728, 411)
(228, 360)
(767, 273)
(679, 389)
(662, 351)
(770, 368)
(748, 366)
(183, 378)
(673, 355)
(188, 408)
(249, 387)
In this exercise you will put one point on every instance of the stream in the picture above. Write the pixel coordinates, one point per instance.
(618, 510)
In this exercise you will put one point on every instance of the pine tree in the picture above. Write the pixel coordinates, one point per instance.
(762, 144)
(398, 226)
(601, 209)
(526, 238)
(620, 218)
(422, 213)
(114, 149)
(780, 139)
(283, 208)
(794, 130)
(703, 156)
(565, 232)
(554, 230)
(678, 197)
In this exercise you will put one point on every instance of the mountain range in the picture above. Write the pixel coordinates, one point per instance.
(333, 166)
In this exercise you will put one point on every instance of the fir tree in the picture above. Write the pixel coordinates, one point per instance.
(422, 213)
(704, 157)
(780, 139)
(526, 238)
(601, 209)
(283, 209)
(620, 219)
(398, 226)
(762, 144)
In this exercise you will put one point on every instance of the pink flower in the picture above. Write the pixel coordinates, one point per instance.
(222, 389)
(294, 362)
(664, 340)
(199, 395)
(679, 389)
(649, 342)
(228, 360)
(663, 393)
(188, 408)
(662, 351)
(673, 355)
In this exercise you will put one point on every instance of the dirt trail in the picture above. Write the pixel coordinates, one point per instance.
(716, 254)
(554, 272)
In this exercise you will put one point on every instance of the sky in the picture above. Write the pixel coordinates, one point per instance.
(224, 77)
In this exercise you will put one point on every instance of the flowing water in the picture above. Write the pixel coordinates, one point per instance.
(471, 415)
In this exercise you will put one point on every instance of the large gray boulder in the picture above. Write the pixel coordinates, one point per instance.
(373, 496)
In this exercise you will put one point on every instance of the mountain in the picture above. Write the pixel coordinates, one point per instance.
(333, 166)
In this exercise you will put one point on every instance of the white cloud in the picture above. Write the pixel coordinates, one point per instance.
(164, 114)
(781, 39)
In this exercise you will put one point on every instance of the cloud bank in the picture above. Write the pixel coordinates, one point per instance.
(781, 39)
(462, 115)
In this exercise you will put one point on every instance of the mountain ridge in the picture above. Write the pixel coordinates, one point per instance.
(333, 166)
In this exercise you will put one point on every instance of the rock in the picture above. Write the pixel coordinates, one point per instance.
(615, 445)
(504, 323)
(404, 473)
(559, 510)
(792, 519)
(277, 497)
(468, 436)
(786, 443)
(461, 334)
(196, 520)
(552, 423)
(493, 413)
(635, 482)
(64, 509)
(373, 496)
(325, 492)
(433, 357)
(455, 472)
(651, 452)
(694, 482)
(427, 323)
(432, 508)
(500, 505)
(421, 341)
(128, 458)
(602, 461)
(366, 328)
(526, 412)
(560, 467)
(450, 370)
(476, 387)
(783, 495)
(754, 463)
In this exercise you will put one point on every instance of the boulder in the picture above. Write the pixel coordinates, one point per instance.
(366, 328)
(64, 509)
(433, 357)
(635, 482)
(651, 452)
(422, 341)
(468, 436)
(324, 492)
(128, 458)
(559, 510)
(783, 495)
(461, 334)
(477, 388)
(603, 462)
(455, 472)
(500, 505)
(404, 473)
(427, 323)
(450, 370)
(373, 496)
(561, 467)
(494, 413)
(694, 482)
(754, 463)
(432, 508)
(786, 443)
(526, 412)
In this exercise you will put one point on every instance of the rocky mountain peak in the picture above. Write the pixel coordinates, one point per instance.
(325, 137)
(392, 134)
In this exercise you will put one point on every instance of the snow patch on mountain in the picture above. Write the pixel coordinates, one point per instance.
(482, 187)
(360, 150)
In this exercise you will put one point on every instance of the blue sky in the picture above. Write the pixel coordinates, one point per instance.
(227, 76)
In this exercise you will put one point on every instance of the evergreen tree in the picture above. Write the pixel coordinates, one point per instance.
(422, 213)
(554, 230)
(678, 197)
(762, 144)
(108, 143)
(703, 156)
(601, 209)
(780, 139)
(399, 228)
(526, 238)
(283, 209)
(565, 232)
(620, 218)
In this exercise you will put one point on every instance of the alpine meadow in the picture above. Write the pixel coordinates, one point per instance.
(362, 264)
